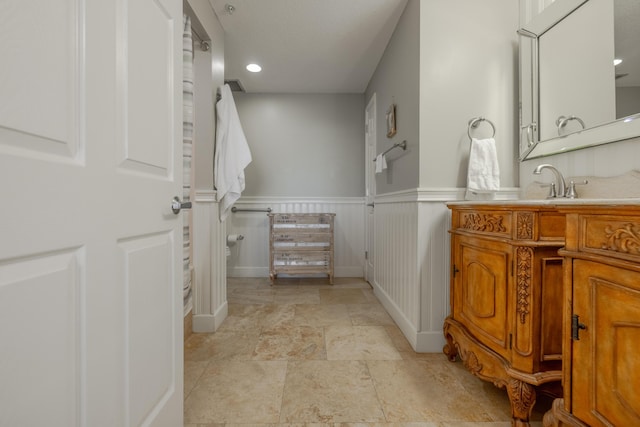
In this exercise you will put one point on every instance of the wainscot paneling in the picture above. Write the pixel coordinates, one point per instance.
(250, 256)
(411, 260)
(209, 262)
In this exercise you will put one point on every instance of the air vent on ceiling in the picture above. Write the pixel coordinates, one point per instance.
(235, 85)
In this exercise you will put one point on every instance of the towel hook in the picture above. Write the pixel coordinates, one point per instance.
(473, 123)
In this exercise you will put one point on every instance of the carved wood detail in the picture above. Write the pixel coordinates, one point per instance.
(625, 239)
(524, 225)
(524, 259)
(522, 397)
(484, 222)
(450, 349)
(471, 362)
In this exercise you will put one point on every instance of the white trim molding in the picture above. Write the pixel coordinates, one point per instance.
(441, 195)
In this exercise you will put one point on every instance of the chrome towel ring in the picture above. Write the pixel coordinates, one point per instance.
(473, 123)
(562, 122)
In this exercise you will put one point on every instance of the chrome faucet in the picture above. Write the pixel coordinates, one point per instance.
(559, 188)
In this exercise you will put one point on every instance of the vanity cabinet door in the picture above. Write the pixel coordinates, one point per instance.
(481, 295)
(606, 358)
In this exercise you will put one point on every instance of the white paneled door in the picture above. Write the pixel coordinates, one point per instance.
(90, 289)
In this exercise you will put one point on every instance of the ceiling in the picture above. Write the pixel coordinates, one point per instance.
(306, 46)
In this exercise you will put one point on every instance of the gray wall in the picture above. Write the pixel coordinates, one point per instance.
(397, 80)
(468, 68)
(448, 62)
(303, 145)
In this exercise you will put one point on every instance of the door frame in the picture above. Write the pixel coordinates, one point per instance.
(370, 141)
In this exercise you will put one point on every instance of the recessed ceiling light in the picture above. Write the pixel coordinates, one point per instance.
(254, 68)
(617, 62)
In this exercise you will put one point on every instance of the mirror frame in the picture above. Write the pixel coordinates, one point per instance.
(618, 130)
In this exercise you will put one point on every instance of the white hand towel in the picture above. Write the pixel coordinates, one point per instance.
(484, 173)
(381, 163)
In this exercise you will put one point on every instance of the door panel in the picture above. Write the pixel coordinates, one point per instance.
(482, 304)
(50, 286)
(90, 252)
(27, 92)
(607, 301)
(149, 339)
(147, 88)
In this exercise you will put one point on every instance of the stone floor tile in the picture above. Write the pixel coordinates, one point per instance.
(359, 343)
(222, 345)
(410, 392)
(369, 314)
(329, 391)
(320, 315)
(237, 392)
(298, 295)
(290, 343)
(342, 296)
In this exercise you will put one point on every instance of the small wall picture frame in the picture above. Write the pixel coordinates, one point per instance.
(391, 121)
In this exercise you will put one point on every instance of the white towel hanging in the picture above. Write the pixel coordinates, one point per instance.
(484, 172)
(381, 163)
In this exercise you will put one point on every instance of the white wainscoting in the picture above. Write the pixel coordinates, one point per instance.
(396, 269)
(412, 259)
(250, 257)
(209, 263)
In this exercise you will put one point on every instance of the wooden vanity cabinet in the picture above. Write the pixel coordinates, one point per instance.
(602, 318)
(506, 298)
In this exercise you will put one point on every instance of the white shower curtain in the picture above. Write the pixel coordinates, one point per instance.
(187, 146)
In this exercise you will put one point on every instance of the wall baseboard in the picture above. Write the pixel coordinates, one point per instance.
(430, 342)
(422, 342)
(397, 315)
(203, 323)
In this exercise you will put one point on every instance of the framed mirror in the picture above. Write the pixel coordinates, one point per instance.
(572, 96)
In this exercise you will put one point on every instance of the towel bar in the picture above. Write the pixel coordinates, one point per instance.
(402, 145)
(473, 123)
(234, 210)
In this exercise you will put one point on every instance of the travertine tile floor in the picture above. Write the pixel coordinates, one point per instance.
(302, 352)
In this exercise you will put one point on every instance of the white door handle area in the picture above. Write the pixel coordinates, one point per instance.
(177, 205)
